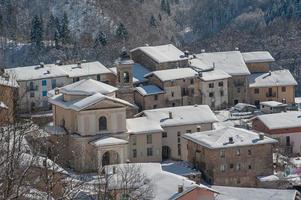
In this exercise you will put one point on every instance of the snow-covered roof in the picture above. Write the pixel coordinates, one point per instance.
(182, 168)
(139, 71)
(87, 87)
(241, 106)
(85, 69)
(182, 115)
(108, 141)
(173, 74)
(215, 74)
(200, 64)
(243, 193)
(10, 81)
(282, 120)
(297, 99)
(145, 90)
(36, 72)
(80, 104)
(51, 71)
(274, 78)
(220, 138)
(230, 62)
(258, 57)
(164, 184)
(163, 53)
(273, 104)
(143, 125)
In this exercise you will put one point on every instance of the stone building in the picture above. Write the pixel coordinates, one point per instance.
(180, 85)
(160, 57)
(258, 61)
(8, 98)
(149, 97)
(285, 127)
(233, 64)
(35, 81)
(231, 156)
(272, 86)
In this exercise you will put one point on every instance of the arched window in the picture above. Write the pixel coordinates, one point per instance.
(126, 77)
(102, 123)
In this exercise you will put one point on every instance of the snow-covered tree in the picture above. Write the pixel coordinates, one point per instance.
(36, 34)
(101, 39)
(121, 31)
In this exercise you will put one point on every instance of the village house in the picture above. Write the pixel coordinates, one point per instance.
(180, 85)
(8, 98)
(258, 61)
(285, 127)
(163, 185)
(231, 156)
(272, 86)
(175, 122)
(36, 81)
(233, 64)
(160, 57)
(149, 97)
(269, 107)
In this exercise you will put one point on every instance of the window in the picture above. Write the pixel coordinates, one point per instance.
(172, 94)
(222, 93)
(184, 80)
(222, 153)
(198, 129)
(156, 97)
(250, 167)
(238, 90)
(249, 152)
(238, 152)
(75, 79)
(178, 133)
(288, 141)
(179, 140)
(231, 166)
(184, 92)
(44, 82)
(238, 181)
(31, 94)
(149, 139)
(192, 91)
(191, 81)
(53, 83)
(173, 104)
(126, 77)
(179, 149)
(164, 134)
(98, 77)
(221, 84)
(237, 166)
(31, 86)
(134, 153)
(149, 151)
(154, 106)
(223, 168)
(134, 140)
(283, 89)
(211, 94)
(256, 91)
(188, 131)
(211, 85)
(44, 93)
(102, 123)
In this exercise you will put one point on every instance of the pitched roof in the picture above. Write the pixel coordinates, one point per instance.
(10, 81)
(243, 193)
(108, 141)
(80, 104)
(162, 53)
(182, 115)
(139, 71)
(213, 75)
(173, 74)
(230, 62)
(282, 120)
(87, 87)
(274, 78)
(143, 125)
(258, 57)
(220, 138)
(51, 71)
(149, 90)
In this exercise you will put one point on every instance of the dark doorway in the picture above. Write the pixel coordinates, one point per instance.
(235, 101)
(166, 152)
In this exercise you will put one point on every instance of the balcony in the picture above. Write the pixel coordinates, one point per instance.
(269, 94)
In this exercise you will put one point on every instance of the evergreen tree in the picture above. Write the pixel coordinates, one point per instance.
(36, 35)
(56, 38)
(165, 6)
(53, 25)
(101, 39)
(64, 30)
(153, 21)
(121, 31)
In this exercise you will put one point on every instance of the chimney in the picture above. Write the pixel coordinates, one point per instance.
(203, 51)
(186, 54)
(56, 91)
(261, 136)
(180, 188)
(270, 73)
(146, 45)
(170, 115)
(213, 65)
(236, 49)
(231, 140)
(79, 64)
(194, 56)
(58, 62)
(41, 64)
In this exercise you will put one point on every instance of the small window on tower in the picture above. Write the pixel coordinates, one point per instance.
(126, 77)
